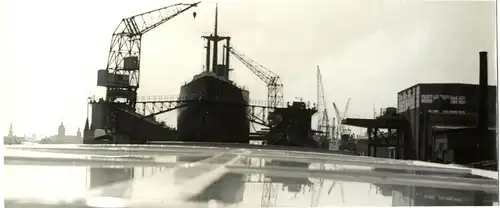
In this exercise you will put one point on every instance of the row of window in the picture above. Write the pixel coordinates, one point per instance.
(407, 101)
(447, 111)
(453, 99)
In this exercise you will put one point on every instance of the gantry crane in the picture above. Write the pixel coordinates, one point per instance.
(121, 76)
(323, 119)
(273, 82)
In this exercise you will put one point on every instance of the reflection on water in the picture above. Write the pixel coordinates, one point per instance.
(274, 185)
(281, 191)
(118, 182)
(228, 189)
(421, 196)
(100, 177)
(240, 189)
(294, 185)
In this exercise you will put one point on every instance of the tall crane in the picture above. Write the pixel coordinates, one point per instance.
(323, 119)
(273, 82)
(121, 76)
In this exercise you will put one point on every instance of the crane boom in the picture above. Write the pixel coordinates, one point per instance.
(121, 77)
(346, 108)
(341, 116)
(145, 22)
(323, 119)
(273, 82)
(337, 112)
(339, 121)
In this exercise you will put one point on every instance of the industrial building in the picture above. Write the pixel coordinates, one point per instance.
(443, 123)
(437, 122)
(361, 146)
(452, 123)
(443, 120)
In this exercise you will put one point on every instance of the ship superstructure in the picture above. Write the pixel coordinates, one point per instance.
(222, 116)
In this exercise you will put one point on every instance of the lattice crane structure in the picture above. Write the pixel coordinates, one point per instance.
(323, 118)
(273, 82)
(121, 76)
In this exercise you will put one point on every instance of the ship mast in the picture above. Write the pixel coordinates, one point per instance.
(221, 70)
(216, 40)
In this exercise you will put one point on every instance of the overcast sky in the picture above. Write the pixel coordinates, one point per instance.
(367, 50)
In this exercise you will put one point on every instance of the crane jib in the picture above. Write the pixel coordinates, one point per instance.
(273, 82)
(121, 77)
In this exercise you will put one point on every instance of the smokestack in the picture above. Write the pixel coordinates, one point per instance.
(482, 111)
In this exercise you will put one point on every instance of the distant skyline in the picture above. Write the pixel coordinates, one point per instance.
(367, 50)
(40, 136)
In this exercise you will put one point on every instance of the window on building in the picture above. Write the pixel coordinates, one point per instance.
(461, 100)
(454, 100)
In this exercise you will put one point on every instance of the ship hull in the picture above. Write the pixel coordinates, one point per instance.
(223, 118)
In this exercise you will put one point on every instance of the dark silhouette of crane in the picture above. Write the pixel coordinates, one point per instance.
(273, 82)
(121, 76)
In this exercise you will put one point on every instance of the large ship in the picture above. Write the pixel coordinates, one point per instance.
(221, 114)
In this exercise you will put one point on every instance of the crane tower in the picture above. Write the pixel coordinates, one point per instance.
(323, 118)
(121, 76)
